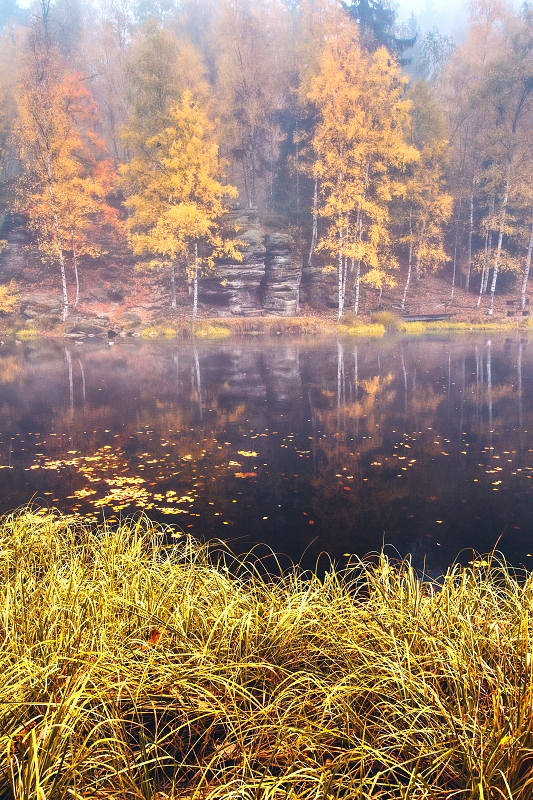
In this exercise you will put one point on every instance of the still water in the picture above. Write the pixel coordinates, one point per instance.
(424, 444)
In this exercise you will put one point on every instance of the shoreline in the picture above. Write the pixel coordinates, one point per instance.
(219, 328)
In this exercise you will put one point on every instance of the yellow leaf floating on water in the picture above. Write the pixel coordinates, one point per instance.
(171, 510)
(84, 492)
(247, 453)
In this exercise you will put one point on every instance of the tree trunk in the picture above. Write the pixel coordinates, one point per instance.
(525, 276)
(314, 235)
(195, 284)
(297, 153)
(470, 234)
(457, 223)
(59, 244)
(357, 286)
(486, 255)
(173, 286)
(340, 278)
(410, 264)
(500, 241)
(75, 265)
(360, 240)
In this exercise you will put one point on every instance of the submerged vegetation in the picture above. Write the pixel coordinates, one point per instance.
(137, 662)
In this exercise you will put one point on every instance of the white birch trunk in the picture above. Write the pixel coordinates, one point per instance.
(75, 265)
(500, 241)
(173, 286)
(525, 276)
(195, 284)
(314, 234)
(409, 266)
(470, 235)
(59, 244)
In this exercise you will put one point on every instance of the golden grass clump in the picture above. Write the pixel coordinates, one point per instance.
(211, 330)
(372, 329)
(138, 663)
(276, 326)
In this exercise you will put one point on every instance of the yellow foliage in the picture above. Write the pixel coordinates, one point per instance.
(174, 196)
(211, 331)
(8, 297)
(360, 145)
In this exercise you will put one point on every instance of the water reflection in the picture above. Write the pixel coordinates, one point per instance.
(422, 444)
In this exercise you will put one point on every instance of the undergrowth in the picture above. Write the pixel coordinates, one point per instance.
(138, 663)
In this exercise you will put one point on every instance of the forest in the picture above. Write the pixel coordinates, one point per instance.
(140, 127)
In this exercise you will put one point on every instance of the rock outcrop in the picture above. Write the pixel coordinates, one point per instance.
(234, 289)
(281, 285)
(266, 281)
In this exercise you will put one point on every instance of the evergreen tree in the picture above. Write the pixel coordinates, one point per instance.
(376, 20)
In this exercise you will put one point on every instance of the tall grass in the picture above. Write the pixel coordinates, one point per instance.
(134, 664)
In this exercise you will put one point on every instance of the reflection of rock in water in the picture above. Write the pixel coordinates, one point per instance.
(284, 382)
(237, 372)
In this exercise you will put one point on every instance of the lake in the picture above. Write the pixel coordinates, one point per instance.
(422, 444)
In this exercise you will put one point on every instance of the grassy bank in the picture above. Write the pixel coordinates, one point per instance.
(181, 328)
(138, 665)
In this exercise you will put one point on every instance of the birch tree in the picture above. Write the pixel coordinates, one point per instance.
(59, 191)
(360, 148)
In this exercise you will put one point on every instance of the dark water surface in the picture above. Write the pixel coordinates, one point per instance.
(425, 444)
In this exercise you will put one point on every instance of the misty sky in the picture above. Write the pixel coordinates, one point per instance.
(447, 15)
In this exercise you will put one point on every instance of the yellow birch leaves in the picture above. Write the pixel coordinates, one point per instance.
(360, 149)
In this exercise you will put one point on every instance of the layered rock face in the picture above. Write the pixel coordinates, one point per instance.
(234, 289)
(281, 285)
(267, 280)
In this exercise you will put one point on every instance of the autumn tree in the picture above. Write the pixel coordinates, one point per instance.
(107, 45)
(59, 190)
(470, 108)
(360, 147)
(424, 206)
(175, 197)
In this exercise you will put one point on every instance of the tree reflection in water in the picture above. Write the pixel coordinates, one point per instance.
(422, 444)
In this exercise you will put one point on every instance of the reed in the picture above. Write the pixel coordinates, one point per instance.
(136, 662)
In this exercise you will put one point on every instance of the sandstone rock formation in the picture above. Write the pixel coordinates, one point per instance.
(266, 281)
(234, 289)
(280, 288)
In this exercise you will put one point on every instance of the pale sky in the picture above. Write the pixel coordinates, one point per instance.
(447, 15)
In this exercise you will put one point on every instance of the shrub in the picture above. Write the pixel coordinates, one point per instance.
(388, 319)
(27, 333)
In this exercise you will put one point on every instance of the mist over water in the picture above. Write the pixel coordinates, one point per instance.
(423, 444)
